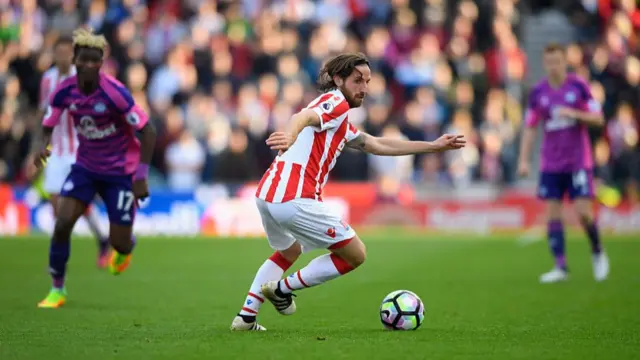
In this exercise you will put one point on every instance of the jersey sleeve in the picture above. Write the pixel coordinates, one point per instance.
(43, 96)
(136, 117)
(352, 133)
(55, 107)
(125, 105)
(532, 115)
(331, 111)
(587, 101)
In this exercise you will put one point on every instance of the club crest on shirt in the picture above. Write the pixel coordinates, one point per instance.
(73, 107)
(100, 107)
(570, 97)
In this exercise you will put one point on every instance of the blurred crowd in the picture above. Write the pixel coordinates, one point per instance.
(218, 76)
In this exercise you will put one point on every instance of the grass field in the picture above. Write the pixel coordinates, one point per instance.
(179, 296)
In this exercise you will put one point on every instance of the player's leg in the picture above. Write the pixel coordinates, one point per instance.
(120, 202)
(315, 226)
(287, 251)
(552, 189)
(91, 218)
(70, 210)
(582, 195)
(348, 255)
(76, 193)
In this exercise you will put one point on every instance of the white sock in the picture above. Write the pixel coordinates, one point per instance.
(272, 269)
(320, 270)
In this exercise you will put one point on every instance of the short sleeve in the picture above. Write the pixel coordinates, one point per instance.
(587, 101)
(119, 95)
(136, 117)
(56, 106)
(532, 116)
(331, 110)
(352, 133)
(43, 96)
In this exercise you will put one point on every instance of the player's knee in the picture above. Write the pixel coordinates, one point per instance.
(358, 256)
(292, 253)
(585, 217)
(62, 229)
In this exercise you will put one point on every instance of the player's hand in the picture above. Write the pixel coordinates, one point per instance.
(140, 189)
(523, 169)
(31, 171)
(280, 141)
(40, 159)
(449, 142)
(565, 112)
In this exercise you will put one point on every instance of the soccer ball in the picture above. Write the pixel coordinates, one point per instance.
(402, 310)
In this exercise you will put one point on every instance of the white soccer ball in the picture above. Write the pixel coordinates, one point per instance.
(402, 310)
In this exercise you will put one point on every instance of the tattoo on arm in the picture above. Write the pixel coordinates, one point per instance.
(359, 143)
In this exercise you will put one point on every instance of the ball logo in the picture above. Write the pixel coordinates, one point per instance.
(133, 119)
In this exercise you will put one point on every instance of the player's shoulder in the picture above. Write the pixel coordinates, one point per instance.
(51, 72)
(116, 91)
(577, 81)
(330, 102)
(64, 89)
(540, 86)
(110, 81)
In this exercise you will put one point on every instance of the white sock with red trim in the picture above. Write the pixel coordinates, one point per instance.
(272, 269)
(320, 270)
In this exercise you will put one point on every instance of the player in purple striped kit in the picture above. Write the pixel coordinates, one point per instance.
(564, 105)
(110, 161)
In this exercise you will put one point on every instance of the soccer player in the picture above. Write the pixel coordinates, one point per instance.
(289, 196)
(64, 140)
(110, 160)
(564, 105)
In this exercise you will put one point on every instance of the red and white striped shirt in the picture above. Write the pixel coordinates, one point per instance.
(303, 170)
(64, 139)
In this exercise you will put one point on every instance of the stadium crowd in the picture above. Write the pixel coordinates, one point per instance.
(218, 76)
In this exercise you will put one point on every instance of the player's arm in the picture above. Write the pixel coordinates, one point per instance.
(138, 119)
(398, 147)
(528, 138)
(531, 120)
(589, 111)
(283, 140)
(592, 116)
(50, 120)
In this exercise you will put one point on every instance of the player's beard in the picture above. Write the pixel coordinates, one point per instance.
(352, 100)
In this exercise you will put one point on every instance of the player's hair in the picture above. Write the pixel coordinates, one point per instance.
(85, 39)
(553, 47)
(341, 66)
(63, 40)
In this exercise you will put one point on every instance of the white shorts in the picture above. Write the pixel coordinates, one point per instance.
(56, 171)
(310, 222)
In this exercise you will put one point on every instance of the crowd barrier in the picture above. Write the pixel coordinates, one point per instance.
(219, 211)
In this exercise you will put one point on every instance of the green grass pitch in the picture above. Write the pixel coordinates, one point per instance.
(179, 296)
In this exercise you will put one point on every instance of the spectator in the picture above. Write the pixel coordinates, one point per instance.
(235, 164)
(185, 160)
